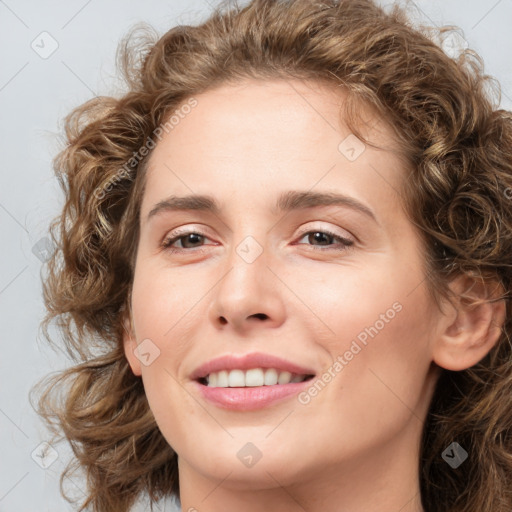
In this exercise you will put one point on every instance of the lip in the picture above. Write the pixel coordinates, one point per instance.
(250, 398)
(248, 361)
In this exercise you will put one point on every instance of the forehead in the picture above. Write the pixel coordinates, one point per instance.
(261, 109)
(269, 136)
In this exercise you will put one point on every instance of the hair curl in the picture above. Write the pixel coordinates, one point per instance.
(458, 194)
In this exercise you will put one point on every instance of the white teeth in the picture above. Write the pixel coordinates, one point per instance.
(254, 377)
(222, 379)
(236, 379)
(251, 378)
(271, 376)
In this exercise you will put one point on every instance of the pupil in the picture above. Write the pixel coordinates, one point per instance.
(190, 238)
(317, 236)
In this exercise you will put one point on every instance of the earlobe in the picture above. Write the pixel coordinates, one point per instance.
(473, 325)
(129, 344)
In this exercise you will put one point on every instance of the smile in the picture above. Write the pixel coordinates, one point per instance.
(253, 377)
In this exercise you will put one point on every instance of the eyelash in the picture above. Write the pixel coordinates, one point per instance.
(345, 242)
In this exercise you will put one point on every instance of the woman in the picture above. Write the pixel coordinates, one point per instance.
(290, 242)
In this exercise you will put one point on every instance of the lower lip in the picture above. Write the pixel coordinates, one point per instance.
(250, 398)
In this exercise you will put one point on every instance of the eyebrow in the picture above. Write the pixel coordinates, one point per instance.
(287, 201)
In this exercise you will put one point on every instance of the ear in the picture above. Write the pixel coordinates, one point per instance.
(469, 331)
(130, 343)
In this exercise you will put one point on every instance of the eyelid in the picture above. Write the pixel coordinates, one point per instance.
(329, 231)
(175, 235)
(192, 229)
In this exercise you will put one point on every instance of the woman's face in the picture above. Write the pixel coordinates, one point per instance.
(331, 288)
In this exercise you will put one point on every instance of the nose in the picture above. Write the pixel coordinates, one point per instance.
(249, 296)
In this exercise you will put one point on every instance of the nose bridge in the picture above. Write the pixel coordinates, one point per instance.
(249, 250)
(248, 288)
(247, 261)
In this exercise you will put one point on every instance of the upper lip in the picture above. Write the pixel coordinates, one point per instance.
(246, 362)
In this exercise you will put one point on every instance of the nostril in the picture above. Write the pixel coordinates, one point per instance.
(261, 316)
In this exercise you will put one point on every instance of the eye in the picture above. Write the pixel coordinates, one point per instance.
(188, 240)
(325, 239)
(195, 239)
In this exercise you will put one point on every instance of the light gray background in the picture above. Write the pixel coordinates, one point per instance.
(35, 94)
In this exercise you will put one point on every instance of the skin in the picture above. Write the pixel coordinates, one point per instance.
(355, 445)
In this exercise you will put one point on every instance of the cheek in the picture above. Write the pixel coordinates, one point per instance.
(386, 363)
(375, 321)
(340, 303)
(163, 311)
(380, 387)
(165, 302)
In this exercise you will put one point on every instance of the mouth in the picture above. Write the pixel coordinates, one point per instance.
(252, 389)
(245, 382)
(252, 377)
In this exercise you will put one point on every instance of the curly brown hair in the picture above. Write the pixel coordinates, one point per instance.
(452, 134)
